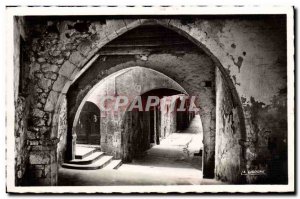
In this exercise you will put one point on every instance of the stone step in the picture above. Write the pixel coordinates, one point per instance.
(88, 145)
(99, 164)
(114, 164)
(82, 152)
(89, 159)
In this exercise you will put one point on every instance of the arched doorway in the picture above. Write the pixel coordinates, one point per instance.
(147, 127)
(88, 126)
(104, 88)
(208, 115)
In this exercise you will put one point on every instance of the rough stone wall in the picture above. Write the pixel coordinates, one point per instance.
(21, 147)
(253, 52)
(111, 134)
(21, 108)
(135, 134)
(62, 131)
(59, 49)
(168, 120)
(228, 160)
(43, 164)
(47, 72)
(267, 139)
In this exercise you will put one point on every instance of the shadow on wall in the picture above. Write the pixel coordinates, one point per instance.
(267, 147)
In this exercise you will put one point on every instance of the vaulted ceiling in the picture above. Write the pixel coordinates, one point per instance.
(147, 39)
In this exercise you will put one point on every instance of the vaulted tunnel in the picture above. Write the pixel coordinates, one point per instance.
(121, 84)
(165, 51)
(71, 65)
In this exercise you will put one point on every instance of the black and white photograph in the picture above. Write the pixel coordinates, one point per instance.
(150, 99)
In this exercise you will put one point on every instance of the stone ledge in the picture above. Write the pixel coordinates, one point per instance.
(45, 145)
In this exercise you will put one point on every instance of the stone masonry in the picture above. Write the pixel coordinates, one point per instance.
(249, 52)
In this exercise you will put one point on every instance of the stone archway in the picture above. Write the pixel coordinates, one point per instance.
(77, 65)
(60, 50)
(143, 129)
(115, 84)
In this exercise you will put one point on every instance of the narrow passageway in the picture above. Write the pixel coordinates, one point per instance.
(173, 162)
(120, 109)
(174, 158)
(177, 150)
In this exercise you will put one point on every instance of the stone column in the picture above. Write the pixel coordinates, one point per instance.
(208, 146)
(43, 167)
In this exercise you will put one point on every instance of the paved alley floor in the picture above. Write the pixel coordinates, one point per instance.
(170, 163)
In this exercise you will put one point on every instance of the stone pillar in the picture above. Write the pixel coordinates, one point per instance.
(208, 146)
(155, 122)
(158, 121)
(43, 166)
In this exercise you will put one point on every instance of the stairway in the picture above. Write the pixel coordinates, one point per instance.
(91, 158)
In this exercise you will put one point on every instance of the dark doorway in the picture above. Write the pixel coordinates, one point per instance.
(157, 124)
(152, 131)
(88, 126)
(182, 116)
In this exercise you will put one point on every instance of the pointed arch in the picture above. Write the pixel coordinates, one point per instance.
(131, 24)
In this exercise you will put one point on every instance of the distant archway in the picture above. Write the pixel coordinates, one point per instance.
(88, 126)
(104, 88)
(209, 160)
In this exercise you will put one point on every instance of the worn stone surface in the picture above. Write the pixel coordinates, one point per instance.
(143, 129)
(66, 69)
(76, 58)
(21, 147)
(21, 103)
(38, 113)
(141, 82)
(35, 67)
(252, 54)
(49, 68)
(45, 84)
(51, 101)
(51, 75)
(62, 131)
(136, 134)
(59, 83)
(39, 158)
(85, 47)
(229, 156)
(43, 165)
(267, 140)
